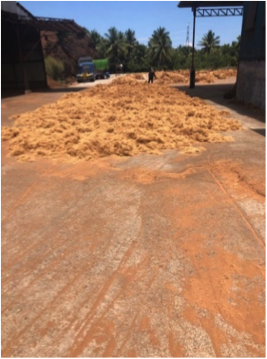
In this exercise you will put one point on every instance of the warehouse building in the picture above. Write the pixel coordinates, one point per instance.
(251, 72)
(22, 57)
(250, 87)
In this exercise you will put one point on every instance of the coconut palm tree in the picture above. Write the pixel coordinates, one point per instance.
(160, 46)
(95, 38)
(209, 41)
(139, 53)
(130, 37)
(131, 42)
(121, 36)
(115, 44)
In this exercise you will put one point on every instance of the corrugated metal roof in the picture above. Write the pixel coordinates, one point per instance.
(210, 4)
(51, 24)
(41, 23)
(21, 11)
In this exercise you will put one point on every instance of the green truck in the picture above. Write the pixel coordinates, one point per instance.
(101, 69)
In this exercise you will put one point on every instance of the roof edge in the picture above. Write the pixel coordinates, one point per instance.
(210, 4)
(23, 8)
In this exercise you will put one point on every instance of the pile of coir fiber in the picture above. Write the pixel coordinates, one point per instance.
(203, 76)
(124, 118)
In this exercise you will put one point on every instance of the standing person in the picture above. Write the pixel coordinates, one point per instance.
(151, 76)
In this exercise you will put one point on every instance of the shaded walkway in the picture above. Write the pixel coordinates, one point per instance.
(214, 94)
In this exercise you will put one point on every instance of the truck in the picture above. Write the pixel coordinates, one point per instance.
(101, 69)
(86, 69)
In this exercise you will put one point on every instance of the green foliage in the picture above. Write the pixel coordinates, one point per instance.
(160, 46)
(209, 41)
(54, 68)
(138, 60)
(130, 37)
(224, 56)
(131, 42)
(96, 38)
(114, 45)
(123, 48)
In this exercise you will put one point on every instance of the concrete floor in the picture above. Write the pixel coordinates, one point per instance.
(149, 256)
(16, 104)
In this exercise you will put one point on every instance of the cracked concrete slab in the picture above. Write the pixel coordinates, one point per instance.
(149, 256)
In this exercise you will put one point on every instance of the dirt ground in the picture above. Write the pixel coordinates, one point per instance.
(142, 256)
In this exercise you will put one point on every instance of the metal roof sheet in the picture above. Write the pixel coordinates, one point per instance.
(209, 3)
(44, 23)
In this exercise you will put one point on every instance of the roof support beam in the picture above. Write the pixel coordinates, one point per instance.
(219, 12)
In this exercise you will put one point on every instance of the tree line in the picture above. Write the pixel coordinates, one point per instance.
(123, 47)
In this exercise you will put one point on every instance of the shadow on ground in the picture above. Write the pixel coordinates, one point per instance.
(215, 93)
(260, 131)
(11, 93)
(8, 94)
(62, 89)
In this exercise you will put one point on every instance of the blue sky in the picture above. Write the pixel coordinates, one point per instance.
(141, 16)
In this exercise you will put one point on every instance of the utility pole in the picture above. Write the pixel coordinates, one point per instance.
(187, 43)
(192, 71)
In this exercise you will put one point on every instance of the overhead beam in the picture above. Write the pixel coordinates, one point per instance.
(219, 12)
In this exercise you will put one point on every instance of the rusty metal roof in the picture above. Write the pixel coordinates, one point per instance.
(44, 23)
(52, 24)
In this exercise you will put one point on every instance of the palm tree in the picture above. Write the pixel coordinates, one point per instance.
(115, 44)
(160, 46)
(209, 41)
(95, 38)
(102, 48)
(130, 37)
(139, 53)
(236, 44)
(121, 36)
(131, 42)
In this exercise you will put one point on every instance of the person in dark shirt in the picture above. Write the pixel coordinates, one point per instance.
(151, 76)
